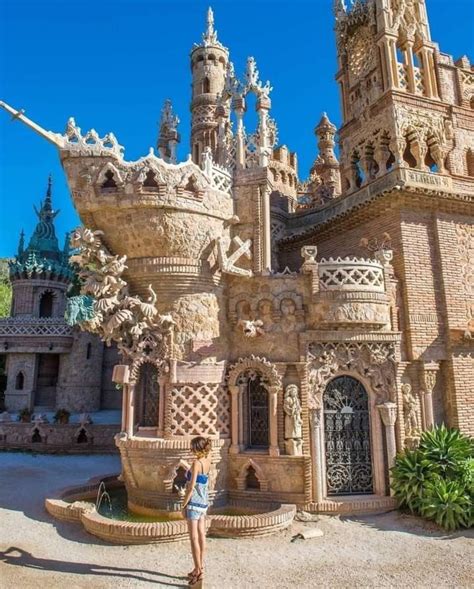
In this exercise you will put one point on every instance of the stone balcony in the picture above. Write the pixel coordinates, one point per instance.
(350, 293)
(35, 334)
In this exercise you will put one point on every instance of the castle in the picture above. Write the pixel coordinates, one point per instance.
(311, 329)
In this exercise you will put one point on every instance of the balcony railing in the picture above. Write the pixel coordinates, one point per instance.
(34, 326)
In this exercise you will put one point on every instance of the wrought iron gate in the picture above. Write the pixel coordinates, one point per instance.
(148, 395)
(347, 437)
(258, 413)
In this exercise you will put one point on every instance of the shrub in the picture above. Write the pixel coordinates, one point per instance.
(436, 480)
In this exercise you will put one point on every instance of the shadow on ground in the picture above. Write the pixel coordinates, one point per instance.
(17, 557)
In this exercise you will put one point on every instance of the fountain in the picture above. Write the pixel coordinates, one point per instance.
(101, 495)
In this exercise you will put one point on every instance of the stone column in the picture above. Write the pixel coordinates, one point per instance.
(266, 231)
(393, 62)
(410, 66)
(124, 406)
(429, 375)
(239, 108)
(234, 396)
(131, 410)
(317, 454)
(388, 413)
(161, 406)
(273, 425)
(426, 72)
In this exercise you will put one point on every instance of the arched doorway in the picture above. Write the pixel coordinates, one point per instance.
(148, 396)
(347, 438)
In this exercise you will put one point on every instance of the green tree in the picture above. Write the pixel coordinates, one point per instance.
(5, 289)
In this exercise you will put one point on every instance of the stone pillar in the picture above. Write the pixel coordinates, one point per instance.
(426, 72)
(317, 454)
(124, 406)
(239, 108)
(266, 231)
(388, 413)
(131, 410)
(273, 425)
(428, 381)
(161, 406)
(393, 62)
(234, 396)
(410, 67)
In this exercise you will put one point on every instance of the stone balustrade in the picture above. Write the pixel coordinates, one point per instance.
(354, 274)
(34, 326)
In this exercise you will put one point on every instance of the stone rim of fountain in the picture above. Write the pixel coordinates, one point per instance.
(77, 504)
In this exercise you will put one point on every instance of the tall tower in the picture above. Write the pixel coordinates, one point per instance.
(209, 61)
(391, 81)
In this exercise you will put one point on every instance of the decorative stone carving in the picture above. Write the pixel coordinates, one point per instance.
(227, 261)
(373, 362)
(132, 323)
(270, 378)
(251, 328)
(410, 415)
(465, 237)
(309, 253)
(293, 421)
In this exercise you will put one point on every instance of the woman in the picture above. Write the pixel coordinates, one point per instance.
(195, 503)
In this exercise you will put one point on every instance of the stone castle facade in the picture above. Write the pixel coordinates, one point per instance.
(314, 328)
(49, 364)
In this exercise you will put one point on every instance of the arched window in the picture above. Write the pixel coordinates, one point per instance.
(347, 437)
(88, 351)
(82, 437)
(256, 411)
(180, 479)
(148, 396)
(36, 437)
(46, 304)
(251, 480)
(20, 381)
(109, 181)
(150, 180)
(206, 86)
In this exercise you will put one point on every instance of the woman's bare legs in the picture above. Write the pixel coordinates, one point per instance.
(202, 539)
(195, 545)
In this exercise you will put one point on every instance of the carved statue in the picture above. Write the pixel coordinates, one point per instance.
(288, 320)
(293, 421)
(410, 412)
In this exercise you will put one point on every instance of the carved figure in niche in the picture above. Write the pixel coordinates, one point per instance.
(410, 412)
(265, 311)
(293, 421)
(288, 319)
(243, 310)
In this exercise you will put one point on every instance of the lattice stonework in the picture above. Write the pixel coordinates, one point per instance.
(199, 410)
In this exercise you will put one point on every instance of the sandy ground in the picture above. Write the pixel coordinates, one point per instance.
(390, 550)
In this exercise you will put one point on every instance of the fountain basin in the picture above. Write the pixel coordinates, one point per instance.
(235, 520)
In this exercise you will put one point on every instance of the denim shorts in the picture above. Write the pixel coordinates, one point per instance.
(192, 514)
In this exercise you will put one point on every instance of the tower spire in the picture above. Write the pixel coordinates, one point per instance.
(210, 36)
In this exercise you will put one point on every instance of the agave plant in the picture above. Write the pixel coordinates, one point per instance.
(446, 449)
(447, 503)
(409, 476)
(437, 479)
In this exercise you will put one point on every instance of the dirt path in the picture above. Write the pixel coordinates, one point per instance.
(389, 550)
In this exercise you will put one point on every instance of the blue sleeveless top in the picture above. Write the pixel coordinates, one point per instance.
(198, 501)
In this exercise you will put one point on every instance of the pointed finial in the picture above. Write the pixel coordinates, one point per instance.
(210, 36)
(66, 248)
(21, 244)
(48, 203)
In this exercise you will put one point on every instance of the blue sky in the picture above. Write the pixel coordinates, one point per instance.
(111, 64)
